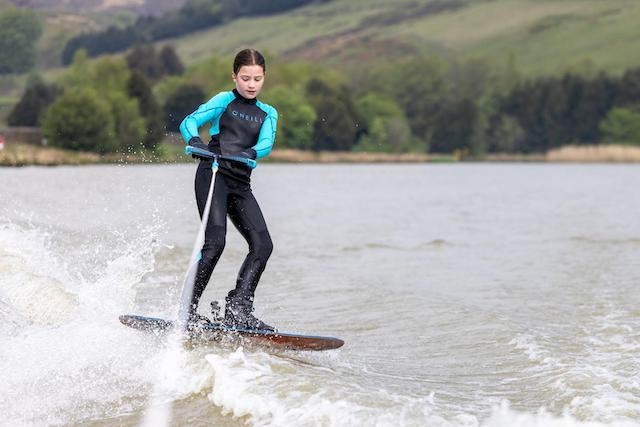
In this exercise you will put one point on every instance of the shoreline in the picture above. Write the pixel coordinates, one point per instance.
(16, 155)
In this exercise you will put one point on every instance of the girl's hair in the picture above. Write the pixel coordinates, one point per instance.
(248, 57)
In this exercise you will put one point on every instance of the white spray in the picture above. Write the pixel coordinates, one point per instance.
(158, 412)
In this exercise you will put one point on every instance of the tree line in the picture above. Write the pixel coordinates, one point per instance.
(420, 105)
(193, 15)
(104, 105)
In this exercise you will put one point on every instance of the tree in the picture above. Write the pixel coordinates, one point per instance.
(388, 130)
(629, 93)
(295, 118)
(112, 40)
(80, 120)
(108, 78)
(145, 60)
(170, 61)
(20, 29)
(454, 127)
(540, 107)
(129, 126)
(139, 88)
(621, 126)
(589, 101)
(555, 111)
(181, 103)
(36, 98)
(506, 135)
(420, 87)
(338, 124)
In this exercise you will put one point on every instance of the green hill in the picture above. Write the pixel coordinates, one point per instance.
(538, 36)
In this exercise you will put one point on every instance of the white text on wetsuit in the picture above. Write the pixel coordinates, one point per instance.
(247, 117)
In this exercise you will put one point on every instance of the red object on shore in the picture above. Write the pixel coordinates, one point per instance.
(1, 142)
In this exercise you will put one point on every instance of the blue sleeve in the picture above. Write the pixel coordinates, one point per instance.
(268, 131)
(207, 112)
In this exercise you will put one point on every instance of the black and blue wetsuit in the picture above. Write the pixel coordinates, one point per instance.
(245, 128)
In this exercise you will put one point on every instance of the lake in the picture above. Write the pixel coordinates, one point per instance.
(467, 295)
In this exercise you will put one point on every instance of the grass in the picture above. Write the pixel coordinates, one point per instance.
(31, 155)
(596, 153)
(19, 154)
(26, 155)
(59, 28)
(275, 34)
(299, 156)
(600, 35)
(545, 36)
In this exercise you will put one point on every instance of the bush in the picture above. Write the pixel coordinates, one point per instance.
(129, 126)
(80, 120)
(621, 126)
(389, 129)
(295, 118)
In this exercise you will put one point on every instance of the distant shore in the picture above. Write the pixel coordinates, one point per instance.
(33, 155)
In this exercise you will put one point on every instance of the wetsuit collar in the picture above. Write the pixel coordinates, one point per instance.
(243, 99)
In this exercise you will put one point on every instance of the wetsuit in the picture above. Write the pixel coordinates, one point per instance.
(239, 127)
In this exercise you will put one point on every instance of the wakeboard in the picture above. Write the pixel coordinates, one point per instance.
(208, 333)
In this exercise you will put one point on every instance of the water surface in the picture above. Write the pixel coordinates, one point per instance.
(467, 294)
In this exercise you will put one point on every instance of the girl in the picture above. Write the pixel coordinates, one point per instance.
(241, 126)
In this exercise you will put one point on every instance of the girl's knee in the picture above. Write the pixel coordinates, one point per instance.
(263, 246)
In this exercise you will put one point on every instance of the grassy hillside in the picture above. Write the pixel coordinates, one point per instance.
(535, 37)
(95, 6)
(538, 36)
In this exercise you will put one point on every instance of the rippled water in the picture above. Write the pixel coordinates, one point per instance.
(467, 294)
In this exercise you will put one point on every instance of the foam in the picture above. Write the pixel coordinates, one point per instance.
(267, 391)
(598, 380)
(65, 358)
(504, 416)
(31, 279)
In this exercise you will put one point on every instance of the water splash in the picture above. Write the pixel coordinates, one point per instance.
(59, 328)
(159, 408)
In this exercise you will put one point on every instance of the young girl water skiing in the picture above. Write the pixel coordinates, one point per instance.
(241, 127)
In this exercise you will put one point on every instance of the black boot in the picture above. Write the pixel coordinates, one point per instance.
(238, 314)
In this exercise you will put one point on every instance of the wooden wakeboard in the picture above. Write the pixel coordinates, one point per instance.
(208, 333)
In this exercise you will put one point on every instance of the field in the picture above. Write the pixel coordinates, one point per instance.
(536, 37)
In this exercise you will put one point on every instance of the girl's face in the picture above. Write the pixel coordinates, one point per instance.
(249, 80)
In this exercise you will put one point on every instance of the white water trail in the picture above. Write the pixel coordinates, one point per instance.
(159, 408)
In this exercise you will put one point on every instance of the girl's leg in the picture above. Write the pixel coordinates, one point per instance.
(246, 215)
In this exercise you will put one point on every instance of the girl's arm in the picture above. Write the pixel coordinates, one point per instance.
(207, 112)
(267, 133)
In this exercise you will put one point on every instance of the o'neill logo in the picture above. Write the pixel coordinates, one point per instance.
(247, 117)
